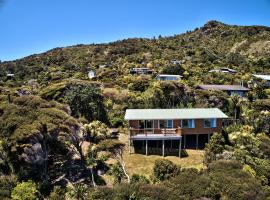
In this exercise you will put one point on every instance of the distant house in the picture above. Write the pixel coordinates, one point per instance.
(91, 74)
(10, 75)
(168, 77)
(265, 78)
(230, 89)
(224, 70)
(176, 62)
(103, 66)
(167, 131)
(141, 70)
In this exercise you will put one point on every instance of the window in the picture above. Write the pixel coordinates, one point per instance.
(169, 123)
(165, 123)
(162, 124)
(188, 123)
(141, 124)
(210, 123)
(149, 124)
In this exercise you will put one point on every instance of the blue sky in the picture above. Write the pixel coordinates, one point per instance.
(35, 26)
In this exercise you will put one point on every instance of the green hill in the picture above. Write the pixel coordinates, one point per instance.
(245, 48)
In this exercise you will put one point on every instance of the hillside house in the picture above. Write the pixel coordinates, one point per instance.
(91, 74)
(167, 131)
(224, 70)
(141, 70)
(229, 89)
(168, 77)
(266, 78)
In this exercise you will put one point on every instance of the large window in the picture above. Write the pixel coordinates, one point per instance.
(149, 124)
(210, 123)
(169, 123)
(146, 124)
(165, 123)
(188, 123)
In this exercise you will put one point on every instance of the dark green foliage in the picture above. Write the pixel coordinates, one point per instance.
(7, 183)
(215, 146)
(173, 69)
(58, 193)
(165, 169)
(139, 179)
(86, 101)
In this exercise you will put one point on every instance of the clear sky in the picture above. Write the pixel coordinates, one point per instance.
(35, 26)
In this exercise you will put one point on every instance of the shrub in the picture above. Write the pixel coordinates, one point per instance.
(25, 191)
(165, 169)
(136, 178)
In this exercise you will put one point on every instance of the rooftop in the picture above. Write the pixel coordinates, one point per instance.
(168, 75)
(224, 87)
(264, 77)
(188, 113)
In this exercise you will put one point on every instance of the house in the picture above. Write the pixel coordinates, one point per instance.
(91, 74)
(167, 131)
(168, 77)
(9, 75)
(176, 62)
(229, 89)
(224, 70)
(141, 70)
(266, 78)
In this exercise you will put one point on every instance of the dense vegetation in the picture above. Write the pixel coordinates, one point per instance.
(55, 141)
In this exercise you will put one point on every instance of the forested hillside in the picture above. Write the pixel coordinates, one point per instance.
(55, 120)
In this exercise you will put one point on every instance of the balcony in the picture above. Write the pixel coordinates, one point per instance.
(156, 133)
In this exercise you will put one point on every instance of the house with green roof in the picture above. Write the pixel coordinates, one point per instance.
(167, 131)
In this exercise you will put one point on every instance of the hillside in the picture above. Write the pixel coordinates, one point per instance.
(211, 46)
(63, 134)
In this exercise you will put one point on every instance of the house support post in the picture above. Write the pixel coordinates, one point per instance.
(146, 147)
(180, 143)
(163, 148)
(197, 140)
(184, 141)
(208, 137)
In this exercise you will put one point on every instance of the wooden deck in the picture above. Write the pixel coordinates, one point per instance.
(156, 137)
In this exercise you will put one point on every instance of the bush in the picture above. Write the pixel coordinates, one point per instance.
(25, 191)
(136, 178)
(165, 169)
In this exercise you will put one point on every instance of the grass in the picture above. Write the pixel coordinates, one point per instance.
(141, 164)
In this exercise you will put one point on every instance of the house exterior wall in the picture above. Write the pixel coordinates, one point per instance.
(199, 127)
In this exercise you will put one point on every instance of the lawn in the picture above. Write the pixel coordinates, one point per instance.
(141, 164)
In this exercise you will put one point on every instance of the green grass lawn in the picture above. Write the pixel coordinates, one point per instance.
(141, 164)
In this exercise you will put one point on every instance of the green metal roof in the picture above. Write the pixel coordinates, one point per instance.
(189, 113)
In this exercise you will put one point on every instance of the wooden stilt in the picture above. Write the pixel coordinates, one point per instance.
(163, 148)
(185, 141)
(180, 143)
(146, 147)
(197, 141)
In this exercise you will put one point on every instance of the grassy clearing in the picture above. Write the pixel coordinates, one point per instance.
(141, 164)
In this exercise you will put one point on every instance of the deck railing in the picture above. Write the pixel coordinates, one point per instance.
(163, 131)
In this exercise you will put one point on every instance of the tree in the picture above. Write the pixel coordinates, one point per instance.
(97, 130)
(215, 146)
(77, 192)
(165, 169)
(86, 101)
(117, 172)
(116, 149)
(25, 191)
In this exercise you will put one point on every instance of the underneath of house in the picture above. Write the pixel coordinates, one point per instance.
(168, 131)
